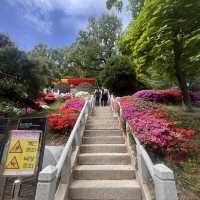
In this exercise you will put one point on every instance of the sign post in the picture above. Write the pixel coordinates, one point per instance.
(16, 189)
(25, 155)
(3, 135)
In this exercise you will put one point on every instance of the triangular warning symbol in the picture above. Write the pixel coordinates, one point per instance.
(13, 164)
(16, 148)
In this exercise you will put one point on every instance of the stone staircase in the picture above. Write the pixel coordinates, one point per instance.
(104, 170)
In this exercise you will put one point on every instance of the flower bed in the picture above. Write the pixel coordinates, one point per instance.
(166, 96)
(154, 128)
(77, 81)
(65, 118)
(50, 98)
(75, 104)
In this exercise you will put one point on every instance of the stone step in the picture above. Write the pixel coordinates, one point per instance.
(102, 111)
(105, 189)
(95, 133)
(104, 172)
(103, 148)
(104, 140)
(102, 118)
(102, 125)
(102, 122)
(104, 159)
(105, 126)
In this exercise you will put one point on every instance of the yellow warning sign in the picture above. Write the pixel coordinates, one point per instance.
(23, 153)
(16, 148)
(13, 164)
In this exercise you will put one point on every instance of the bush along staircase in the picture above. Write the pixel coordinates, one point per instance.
(104, 170)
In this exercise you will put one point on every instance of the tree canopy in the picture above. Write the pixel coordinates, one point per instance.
(133, 6)
(119, 76)
(165, 37)
(22, 76)
(95, 45)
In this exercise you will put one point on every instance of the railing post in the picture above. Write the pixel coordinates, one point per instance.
(77, 136)
(66, 169)
(46, 186)
(142, 170)
(82, 126)
(165, 186)
(16, 189)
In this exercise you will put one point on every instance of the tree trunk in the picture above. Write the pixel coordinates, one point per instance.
(180, 75)
(184, 89)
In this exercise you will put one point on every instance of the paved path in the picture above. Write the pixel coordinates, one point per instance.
(104, 169)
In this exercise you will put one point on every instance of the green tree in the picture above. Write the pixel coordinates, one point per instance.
(55, 56)
(95, 45)
(133, 6)
(165, 37)
(5, 41)
(22, 77)
(119, 76)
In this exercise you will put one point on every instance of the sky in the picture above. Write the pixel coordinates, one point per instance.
(53, 22)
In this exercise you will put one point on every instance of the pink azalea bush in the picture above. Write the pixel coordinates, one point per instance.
(161, 96)
(195, 96)
(27, 110)
(50, 98)
(76, 103)
(154, 128)
(166, 96)
(65, 117)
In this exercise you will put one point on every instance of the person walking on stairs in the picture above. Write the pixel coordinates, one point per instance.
(97, 95)
(104, 97)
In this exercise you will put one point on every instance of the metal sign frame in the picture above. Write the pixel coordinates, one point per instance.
(42, 136)
(24, 147)
(5, 135)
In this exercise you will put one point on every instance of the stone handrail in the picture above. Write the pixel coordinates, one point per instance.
(73, 136)
(53, 181)
(164, 186)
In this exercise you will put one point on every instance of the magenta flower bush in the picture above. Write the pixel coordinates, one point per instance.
(75, 103)
(154, 128)
(166, 96)
(27, 110)
(160, 96)
(195, 96)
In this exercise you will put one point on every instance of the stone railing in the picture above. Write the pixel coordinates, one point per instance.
(53, 181)
(156, 180)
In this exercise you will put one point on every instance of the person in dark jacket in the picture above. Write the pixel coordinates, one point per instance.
(104, 97)
(97, 95)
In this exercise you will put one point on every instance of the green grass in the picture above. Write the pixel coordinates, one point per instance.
(188, 173)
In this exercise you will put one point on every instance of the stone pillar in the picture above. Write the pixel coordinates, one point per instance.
(77, 135)
(46, 187)
(66, 169)
(165, 186)
(142, 171)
